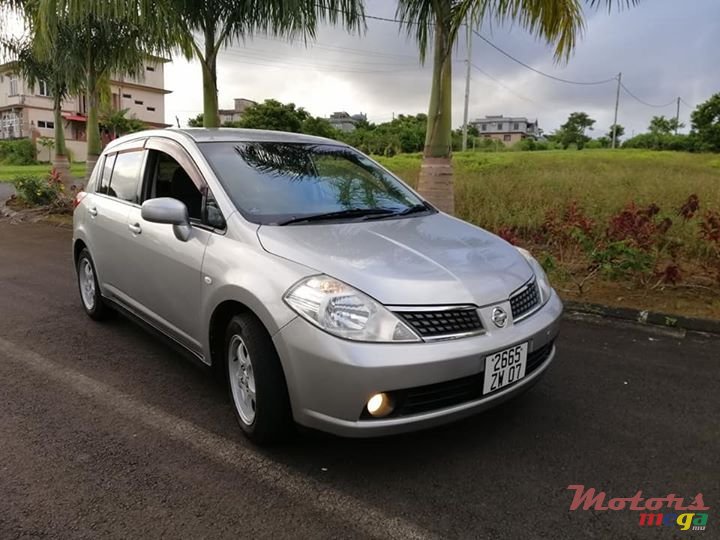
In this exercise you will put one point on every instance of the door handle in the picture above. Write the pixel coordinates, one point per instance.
(93, 211)
(135, 229)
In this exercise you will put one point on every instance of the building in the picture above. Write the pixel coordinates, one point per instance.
(346, 122)
(28, 112)
(509, 129)
(235, 114)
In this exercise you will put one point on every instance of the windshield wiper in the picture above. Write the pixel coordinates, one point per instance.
(415, 208)
(349, 213)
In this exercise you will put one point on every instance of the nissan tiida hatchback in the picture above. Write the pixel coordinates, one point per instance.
(327, 291)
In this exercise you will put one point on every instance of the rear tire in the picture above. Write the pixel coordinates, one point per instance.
(256, 383)
(90, 297)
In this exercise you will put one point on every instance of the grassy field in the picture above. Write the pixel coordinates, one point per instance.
(8, 172)
(517, 188)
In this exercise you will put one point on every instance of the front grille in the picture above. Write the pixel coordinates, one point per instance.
(446, 394)
(525, 300)
(443, 323)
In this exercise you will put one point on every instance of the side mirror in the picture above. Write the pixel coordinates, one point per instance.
(169, 211)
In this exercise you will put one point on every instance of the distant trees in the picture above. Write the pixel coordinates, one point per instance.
(405, 133)
(573, 131)
(706, 124)
(660, 125)
(619, 132)
(273, 115)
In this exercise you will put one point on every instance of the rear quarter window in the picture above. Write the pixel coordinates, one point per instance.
(102, 180)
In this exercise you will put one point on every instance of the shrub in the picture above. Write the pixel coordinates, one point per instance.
(17, 152)
(662, 141)
(38, 191)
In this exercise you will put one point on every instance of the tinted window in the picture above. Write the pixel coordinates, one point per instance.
(104, 178)
(168, 179)
(270, 182)
(126, 176)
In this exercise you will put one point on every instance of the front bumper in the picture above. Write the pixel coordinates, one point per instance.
(330, 379)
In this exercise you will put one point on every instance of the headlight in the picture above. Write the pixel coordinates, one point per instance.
(540, 275)
(343, 311)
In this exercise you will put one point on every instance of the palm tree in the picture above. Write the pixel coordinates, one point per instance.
(557, 22)
(208, 27)
(200, 29)
(104, 43)
(51, 70)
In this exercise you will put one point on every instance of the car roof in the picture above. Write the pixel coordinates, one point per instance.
(249, 135)
(204, 135)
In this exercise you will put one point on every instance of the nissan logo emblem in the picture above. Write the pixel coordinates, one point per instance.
(499, 317)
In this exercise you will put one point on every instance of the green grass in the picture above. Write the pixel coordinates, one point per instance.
(505, 189)
(8, 172)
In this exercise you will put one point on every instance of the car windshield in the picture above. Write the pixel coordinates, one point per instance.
(283, 183)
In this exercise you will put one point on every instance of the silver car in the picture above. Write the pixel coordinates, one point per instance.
(325, 290)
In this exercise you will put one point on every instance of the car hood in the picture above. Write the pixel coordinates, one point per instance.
(428, 260)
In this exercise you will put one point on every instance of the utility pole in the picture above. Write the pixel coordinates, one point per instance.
(468, 27)
(677, 116)
(617, 104)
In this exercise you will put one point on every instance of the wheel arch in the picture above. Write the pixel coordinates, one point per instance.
(78, 246)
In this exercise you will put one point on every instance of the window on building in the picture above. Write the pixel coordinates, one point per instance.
(126, 176)
(516, 126)
(13, 85)
(43, 89)
(151, 109)
(41, 123)
(500, 126)
(507, 137)
(150, 68)
(484, 127)
(50, 125)
(137, 102)
(127, 96)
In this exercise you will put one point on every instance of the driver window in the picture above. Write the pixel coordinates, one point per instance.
(167, 178)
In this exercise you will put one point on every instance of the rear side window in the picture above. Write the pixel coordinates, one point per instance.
(126, 176)
(103, 180)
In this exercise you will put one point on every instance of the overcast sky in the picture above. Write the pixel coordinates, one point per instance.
(664, 48)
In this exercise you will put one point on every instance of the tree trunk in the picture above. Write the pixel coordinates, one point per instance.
(94, 145)
(211, 118)
(436, 173)
(60, 162)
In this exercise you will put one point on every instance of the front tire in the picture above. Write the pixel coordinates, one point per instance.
(92, 300)
(256, 382)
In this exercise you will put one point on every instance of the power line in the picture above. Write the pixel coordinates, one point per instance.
(629, 93)
(346, 50)
(253, 59)
(553, 77)
(500, 83)
(686, 103)
(262, 54)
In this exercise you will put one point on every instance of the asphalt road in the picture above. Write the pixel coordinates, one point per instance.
(106, 432)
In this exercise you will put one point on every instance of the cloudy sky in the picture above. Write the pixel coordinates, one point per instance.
(664, 48)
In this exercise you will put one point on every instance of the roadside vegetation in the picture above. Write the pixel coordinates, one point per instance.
(634, 228)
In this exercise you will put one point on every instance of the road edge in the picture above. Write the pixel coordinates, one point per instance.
(650, 318)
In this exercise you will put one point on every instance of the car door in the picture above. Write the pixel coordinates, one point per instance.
(166, 272)
(108, 207)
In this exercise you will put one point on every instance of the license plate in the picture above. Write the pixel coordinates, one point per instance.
(505, 367)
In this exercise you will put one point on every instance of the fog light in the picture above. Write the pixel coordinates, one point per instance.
(379, 405)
